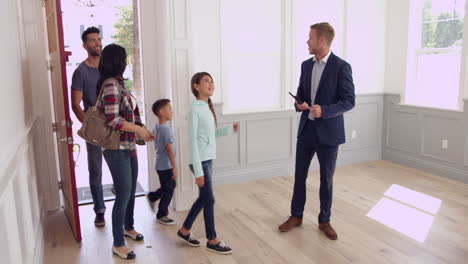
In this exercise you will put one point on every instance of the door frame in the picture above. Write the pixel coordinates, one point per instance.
(63, 67)
(49, 7)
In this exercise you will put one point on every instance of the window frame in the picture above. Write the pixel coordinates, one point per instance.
(285, 63)
(415, 49)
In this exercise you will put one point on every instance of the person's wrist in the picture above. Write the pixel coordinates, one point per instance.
(140, 130)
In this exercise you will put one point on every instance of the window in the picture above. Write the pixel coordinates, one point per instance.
(263, 44)
(251, 38)
(118, 22)
(435, 46)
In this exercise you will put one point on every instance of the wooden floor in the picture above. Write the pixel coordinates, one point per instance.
(247, 216)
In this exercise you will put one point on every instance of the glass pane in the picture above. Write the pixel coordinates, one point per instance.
(442, 25)
(117, 23)
(437, 81)
(433, 9)
(251, 54)
(459, 8)
(443, 34)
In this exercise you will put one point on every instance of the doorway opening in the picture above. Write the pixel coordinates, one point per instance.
(118, 21)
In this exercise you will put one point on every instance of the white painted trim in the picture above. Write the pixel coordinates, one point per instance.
(345, 30)
(438, 50)
(156, 44)
(431, 108)
(8, 162)
(10, 171)
(40, 242)
(463, 84)
(246, 112)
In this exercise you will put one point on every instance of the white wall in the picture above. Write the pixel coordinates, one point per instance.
(360, 38)
(26, 191)
(365, 44)
(206, 42)
(397, 46)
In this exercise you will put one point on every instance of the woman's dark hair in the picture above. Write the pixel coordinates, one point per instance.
(112, 63)
(196, 80)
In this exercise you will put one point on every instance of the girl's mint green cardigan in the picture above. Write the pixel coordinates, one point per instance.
(202, 135)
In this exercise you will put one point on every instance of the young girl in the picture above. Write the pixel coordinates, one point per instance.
(202, 127)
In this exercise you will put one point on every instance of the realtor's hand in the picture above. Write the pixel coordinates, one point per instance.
(200, 181)
(316, 111)
(304, 106)
(174, 173)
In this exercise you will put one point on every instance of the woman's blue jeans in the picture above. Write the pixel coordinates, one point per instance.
(124, 170)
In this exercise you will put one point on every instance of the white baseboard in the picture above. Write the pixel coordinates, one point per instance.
(38, 256)
(39, 248)
(346, 157)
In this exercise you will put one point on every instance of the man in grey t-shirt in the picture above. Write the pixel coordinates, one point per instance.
(83, 88)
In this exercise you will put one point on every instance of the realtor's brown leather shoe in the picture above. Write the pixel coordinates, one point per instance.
(328, 230)
(290, 224)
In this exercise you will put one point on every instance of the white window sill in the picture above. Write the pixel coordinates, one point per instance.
(245, 112)
(431, 108)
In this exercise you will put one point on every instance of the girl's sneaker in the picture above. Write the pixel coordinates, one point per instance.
(165, 220)
(220, 248)
(189, 239)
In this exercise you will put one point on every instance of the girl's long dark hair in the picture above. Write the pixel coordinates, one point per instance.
(112, 63)
(196, 80)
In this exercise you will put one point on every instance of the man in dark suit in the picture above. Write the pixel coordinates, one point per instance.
(325, 92)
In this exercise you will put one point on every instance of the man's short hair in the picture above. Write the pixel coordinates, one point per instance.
(158, 105)
(325, 30)
(89, 30)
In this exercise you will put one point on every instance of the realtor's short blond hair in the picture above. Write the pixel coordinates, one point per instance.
(325, 30)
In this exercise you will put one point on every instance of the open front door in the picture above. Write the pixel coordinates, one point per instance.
(63, 123)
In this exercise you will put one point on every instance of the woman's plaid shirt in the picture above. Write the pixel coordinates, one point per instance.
(118, 107)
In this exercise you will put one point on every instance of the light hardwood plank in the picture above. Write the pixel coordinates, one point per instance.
(247, 216)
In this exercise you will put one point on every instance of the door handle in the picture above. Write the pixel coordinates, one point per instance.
(69, 140)
(67, 54)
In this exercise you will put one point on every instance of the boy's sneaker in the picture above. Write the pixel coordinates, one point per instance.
(189, 239)
(219, 248)
(99, 221)
(165, 220)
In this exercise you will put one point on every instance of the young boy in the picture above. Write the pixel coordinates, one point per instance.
(165, 164)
